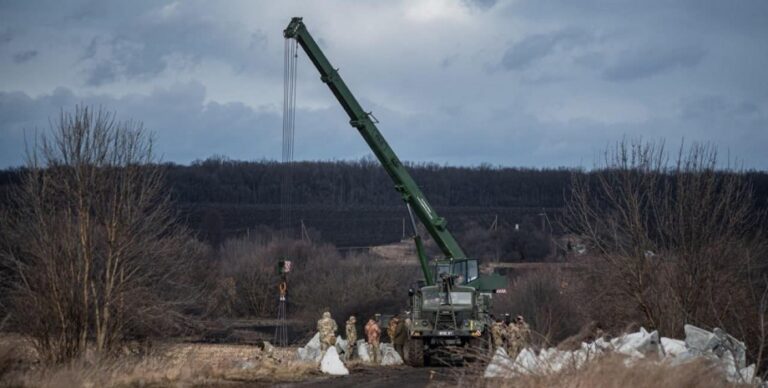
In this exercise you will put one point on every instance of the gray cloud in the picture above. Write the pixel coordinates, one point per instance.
(575, 75)
(146, 47)
(24, 56)
(637, 64)
(481, 4)
(534, 47)
(6, 36)
(185, 125)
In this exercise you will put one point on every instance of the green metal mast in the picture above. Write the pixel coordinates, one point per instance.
(412, 195)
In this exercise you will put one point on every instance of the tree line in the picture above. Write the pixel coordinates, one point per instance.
(353, 203)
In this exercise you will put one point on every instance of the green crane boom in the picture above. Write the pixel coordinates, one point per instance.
(360, 119)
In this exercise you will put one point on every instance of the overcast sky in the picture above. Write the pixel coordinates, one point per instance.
(538, 83)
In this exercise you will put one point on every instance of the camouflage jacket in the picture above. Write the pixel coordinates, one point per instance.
(498, 333)
(351, 332)
(391, 327)
(327, 328)
(513, 333)
(372, 332)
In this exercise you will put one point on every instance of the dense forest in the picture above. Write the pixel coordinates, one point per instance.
(352, 203)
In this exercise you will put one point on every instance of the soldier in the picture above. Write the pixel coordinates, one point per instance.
(513, 340)
(351, 337)
(498, 333)
(373, 333)
(524, 330)
(327, 329)
(391, 328)
(401, 335)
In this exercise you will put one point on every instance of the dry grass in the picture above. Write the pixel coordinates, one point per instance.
(170, 365)
(609, 371)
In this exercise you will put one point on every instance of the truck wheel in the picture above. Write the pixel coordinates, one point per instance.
(414, 352)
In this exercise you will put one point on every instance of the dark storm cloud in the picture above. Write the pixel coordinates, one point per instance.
(637, 64)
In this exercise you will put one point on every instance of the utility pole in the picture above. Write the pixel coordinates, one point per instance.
(305, 233)
(496, 239)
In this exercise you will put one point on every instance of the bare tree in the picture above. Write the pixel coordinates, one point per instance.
(673, 239)
(96, 254)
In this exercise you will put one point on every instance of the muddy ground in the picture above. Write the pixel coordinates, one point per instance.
(380, 377)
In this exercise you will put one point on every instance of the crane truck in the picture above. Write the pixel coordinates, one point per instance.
(451, 306)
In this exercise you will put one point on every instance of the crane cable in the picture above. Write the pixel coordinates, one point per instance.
(289, 122)
(290, 56)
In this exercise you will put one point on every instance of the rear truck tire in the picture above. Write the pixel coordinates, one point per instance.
(414, 352)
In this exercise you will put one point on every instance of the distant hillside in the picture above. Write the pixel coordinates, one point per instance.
(354, 204)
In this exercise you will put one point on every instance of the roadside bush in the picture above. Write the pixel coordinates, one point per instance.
(320, 278)
(545, 302)
(672, 240)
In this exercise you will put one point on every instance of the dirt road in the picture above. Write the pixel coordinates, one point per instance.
(377, 377)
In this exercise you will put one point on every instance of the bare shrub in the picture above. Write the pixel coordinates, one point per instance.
(540, 297)
(673, 240)
(95, 253)
(505, 243)
(320, 279)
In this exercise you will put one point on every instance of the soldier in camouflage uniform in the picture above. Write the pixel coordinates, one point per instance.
(351, 337)
(373, 333)
(391, 327)
(519, 334)
(524, 330)
(498, 333)
(514, 340)
(327, 329)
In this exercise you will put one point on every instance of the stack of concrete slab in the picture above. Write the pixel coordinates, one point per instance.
(389, 355)
(310, 351)
(718, 346)
(331, 363)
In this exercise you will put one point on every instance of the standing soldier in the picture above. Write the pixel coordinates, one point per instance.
(351, 337)
(498, 333)
(524, 330)
(373, 333)
(327, 329)
(401, 335)
(513, 340)
(391, 327)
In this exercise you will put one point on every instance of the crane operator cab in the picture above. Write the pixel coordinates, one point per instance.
(463, 271)
(466, 272)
